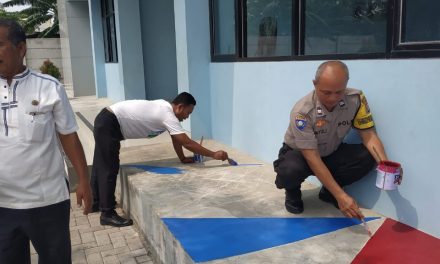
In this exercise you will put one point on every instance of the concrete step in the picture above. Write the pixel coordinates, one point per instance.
(216, 190)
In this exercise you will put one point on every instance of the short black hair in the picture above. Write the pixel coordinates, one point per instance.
(185, 99)
(16, 32)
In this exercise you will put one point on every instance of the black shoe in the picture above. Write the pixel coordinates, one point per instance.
(326, 196)
(113, 219)
(293, 202)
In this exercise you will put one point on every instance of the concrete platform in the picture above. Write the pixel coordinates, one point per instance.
(216, 190)
(216, 213)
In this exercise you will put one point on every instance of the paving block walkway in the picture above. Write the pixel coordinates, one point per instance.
(93, 243)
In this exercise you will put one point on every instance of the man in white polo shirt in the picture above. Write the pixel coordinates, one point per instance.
(36, 121)
(137, 119)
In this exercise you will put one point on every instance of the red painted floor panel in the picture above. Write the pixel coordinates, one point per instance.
(397, 243)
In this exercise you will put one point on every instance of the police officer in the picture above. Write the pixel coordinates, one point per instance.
(313, 141)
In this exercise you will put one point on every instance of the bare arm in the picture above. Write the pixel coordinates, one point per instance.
(372, 142)
(179, 151)
(347, 204)
(184, 141)
(74, 151)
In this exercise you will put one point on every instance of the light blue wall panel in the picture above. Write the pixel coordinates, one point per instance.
(403, 96)
(159, 49)
(222, 97)
(115, 85)
(182, 52)
(197, 29)
(98, 48)
(130, 55)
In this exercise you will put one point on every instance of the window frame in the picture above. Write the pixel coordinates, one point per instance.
(410, 49)
(393, 47)
(214, 55)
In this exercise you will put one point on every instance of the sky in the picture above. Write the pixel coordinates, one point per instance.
(12, 9)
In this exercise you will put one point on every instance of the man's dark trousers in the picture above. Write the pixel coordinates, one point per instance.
(108, 136)
(349, 163)
(48, 229)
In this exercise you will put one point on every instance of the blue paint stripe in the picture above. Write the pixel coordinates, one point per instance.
(156, 169)
(206, 239)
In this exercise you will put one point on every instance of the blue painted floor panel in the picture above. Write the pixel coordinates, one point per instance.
(157, 169)
(206, 239)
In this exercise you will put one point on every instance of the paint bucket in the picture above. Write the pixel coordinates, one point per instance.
(388, 175)
(198, 158)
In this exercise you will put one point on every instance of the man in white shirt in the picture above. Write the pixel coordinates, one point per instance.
(36, 121)
(137, 119)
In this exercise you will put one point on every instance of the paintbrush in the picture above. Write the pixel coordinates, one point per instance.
(366, 227)
(377, 154)
(232, 162)
(201, 141)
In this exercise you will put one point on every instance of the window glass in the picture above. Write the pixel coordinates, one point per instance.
(112, 36)
(224, 26)
(421, 21)
(269, 28)
(109, 31)
(345, 26)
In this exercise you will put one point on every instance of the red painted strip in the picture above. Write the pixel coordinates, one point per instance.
(397, 243)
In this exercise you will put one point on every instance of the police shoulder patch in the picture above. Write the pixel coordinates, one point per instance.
(300, 122)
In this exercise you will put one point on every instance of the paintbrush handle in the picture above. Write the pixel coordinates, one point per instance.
(377, 154)
(232, 162)
(367, 228)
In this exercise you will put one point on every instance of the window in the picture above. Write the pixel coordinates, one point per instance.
(419, 27)
(268, 28)
(324, 29)
(109, 30)
(223, 21)
(345, 27)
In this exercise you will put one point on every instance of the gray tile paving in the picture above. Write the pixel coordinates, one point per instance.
(93, 243)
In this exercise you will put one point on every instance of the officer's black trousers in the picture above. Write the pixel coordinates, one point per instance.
(108, 136)
(349, 163)
(48, 229)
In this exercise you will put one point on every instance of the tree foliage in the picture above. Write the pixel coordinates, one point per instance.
(49, 68)
(11, 15)
(38, 13)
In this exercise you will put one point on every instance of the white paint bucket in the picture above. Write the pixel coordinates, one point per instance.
(388, 175)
